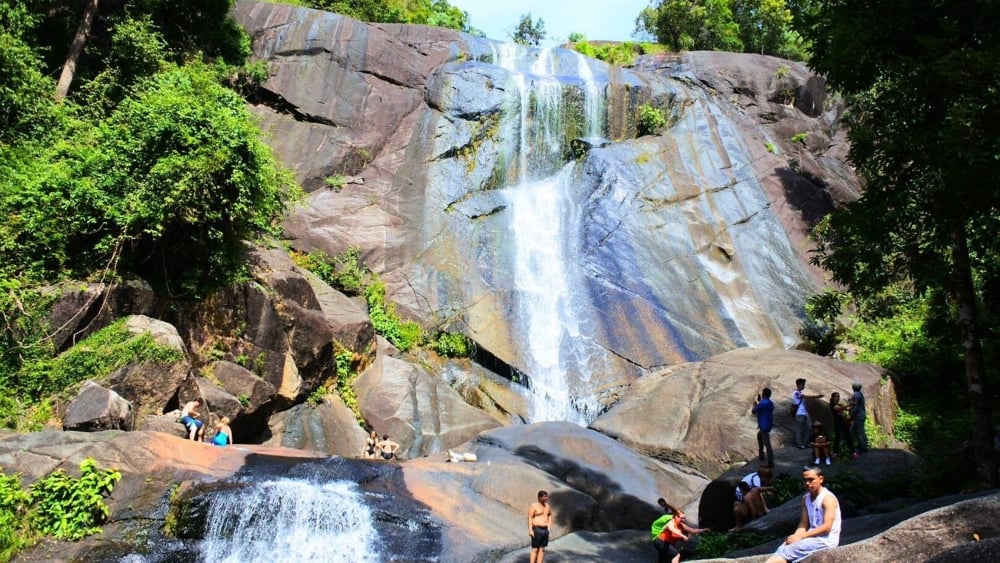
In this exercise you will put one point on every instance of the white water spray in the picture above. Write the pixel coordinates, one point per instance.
(291, 520)
(545, 229)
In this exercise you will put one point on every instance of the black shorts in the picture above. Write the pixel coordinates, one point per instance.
(665, 551)
(541, 537)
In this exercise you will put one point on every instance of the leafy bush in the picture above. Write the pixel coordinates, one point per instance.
(651, 120)
(344, 271)
(69, 508)
(452, 345)
(58, 506)
(14, 505)
(712, 545)
(95, 357)
(346, 374)
(401, 334)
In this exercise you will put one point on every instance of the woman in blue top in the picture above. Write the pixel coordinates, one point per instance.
(223, 433)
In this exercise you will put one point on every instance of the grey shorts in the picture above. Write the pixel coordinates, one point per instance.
(802, 549)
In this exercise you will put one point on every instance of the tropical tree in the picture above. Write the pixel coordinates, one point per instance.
(925, 134)
(528, 32)
(691, 24)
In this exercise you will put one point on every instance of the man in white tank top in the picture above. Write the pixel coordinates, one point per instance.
(819, 526)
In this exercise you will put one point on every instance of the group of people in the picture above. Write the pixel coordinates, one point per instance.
(376, 448)
(820, 519)
(191, 419)
(848, 424)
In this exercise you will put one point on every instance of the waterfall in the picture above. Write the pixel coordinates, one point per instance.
(545, 229)
(291, 520)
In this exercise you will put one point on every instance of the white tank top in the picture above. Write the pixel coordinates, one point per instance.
(816, 516)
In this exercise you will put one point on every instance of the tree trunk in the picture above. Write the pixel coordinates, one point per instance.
(975, 366)
(69, 69)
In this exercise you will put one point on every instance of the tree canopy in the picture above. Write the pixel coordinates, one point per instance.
(528, 31)
(925, 134)
(754, 26)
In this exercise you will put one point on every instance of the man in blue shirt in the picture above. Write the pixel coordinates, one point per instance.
(764, 409)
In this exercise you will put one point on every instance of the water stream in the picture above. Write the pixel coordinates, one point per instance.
(544, 227)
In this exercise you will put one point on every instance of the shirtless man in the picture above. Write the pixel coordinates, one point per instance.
(189, 418)
(539, 518)
(387, 448)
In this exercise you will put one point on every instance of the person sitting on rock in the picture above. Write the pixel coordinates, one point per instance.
(189, 418)
(223, 433)
(750, 503)
(388, 448)
(820, 444)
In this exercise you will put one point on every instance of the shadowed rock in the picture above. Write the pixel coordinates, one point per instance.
(96, 408)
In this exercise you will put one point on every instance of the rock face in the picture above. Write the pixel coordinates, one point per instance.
(97, 408)
(417, 410)
(594, 484)
(676, 246)
(698, 414)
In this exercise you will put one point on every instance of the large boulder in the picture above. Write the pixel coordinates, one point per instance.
(96, 408)
(284, 323)
(329, 427)
(416, 409)
(698, 414)
(81, 309)
(151, 387)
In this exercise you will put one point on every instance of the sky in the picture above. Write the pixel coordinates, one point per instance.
(612, 20)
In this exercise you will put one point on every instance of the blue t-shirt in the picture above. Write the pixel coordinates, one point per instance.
(765, 414)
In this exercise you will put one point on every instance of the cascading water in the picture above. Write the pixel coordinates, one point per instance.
(291, 520)
(291, 510)
(544, 227)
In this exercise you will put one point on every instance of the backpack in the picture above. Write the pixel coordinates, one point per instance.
(658, 525)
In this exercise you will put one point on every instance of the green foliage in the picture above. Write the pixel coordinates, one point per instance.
(713, 545)
(346, 374)
(57, 506)
(771, 147)
(14, 506)
(822, 330)
(753, 26)
(576, 37)
(336, 182)
(528, 32)
(651, 120)
(691, 24)
(429, 12)
(95, 357)
(452, 345)
(344, 271)
(316, 397)
(620, 54)
(401, 334)
(799, 137)
(244, 400)
(25, 90)
(69, 508)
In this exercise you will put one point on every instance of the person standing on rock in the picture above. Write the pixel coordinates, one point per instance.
(388, 448)
(858, 432)
(802, 430)
(819, 523)
(189, 418)
(539, 519)
(764, 409)
(841, 426)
